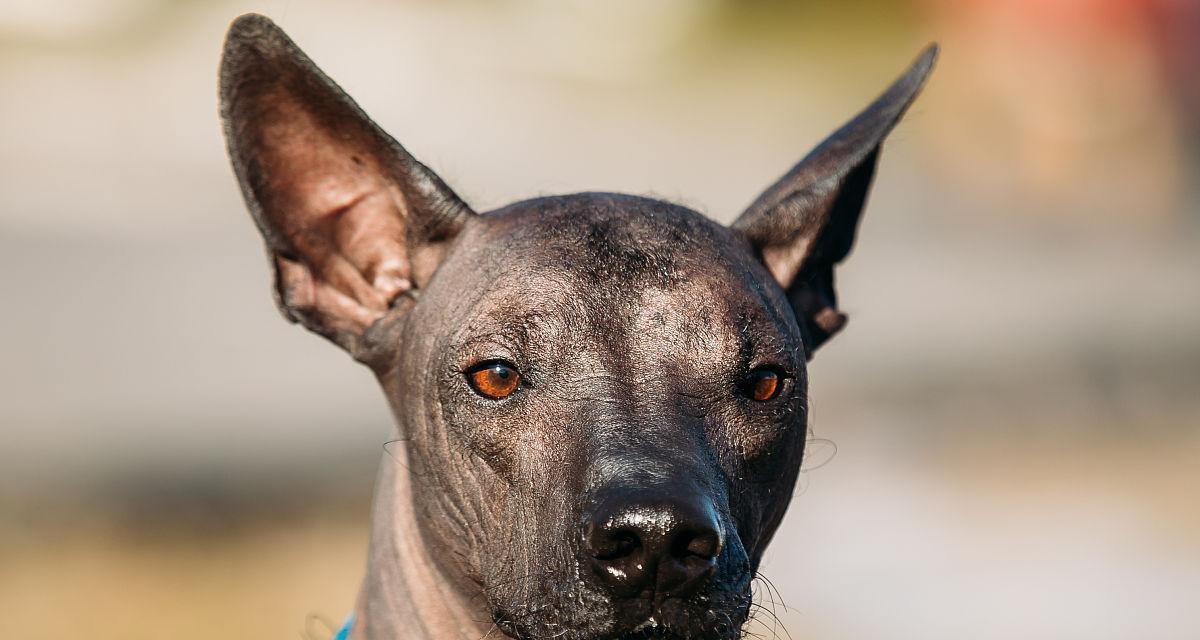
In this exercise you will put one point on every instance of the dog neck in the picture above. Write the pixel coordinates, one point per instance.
(405, 594)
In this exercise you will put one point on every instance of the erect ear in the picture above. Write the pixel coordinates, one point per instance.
(804, 224)
(351, 220)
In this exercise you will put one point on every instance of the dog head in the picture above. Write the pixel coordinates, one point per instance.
(603, 396)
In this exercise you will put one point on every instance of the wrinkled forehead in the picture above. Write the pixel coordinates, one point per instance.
(625, 271)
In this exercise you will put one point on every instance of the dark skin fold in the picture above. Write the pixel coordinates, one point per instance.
(601, 399)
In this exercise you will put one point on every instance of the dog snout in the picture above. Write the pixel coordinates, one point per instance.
(665, 545)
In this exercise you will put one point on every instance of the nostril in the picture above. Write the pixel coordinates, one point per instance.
(705, 545)
(620, 559)
(692, 561)
(615, 545)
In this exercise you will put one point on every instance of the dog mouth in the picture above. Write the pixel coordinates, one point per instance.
(682, 623)
(667, 622)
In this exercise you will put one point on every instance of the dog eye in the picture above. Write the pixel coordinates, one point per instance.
(762, 384)
(494, 380)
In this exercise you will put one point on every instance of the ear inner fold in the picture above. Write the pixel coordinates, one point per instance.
(341, 205)
(331, 206)
(805, 223)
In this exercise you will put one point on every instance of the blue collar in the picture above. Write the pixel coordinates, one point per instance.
(344, 632)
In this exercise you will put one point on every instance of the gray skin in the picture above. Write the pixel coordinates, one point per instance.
(628, 486)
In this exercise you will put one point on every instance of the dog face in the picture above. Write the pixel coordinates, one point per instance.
(602, 397)
(586, 409)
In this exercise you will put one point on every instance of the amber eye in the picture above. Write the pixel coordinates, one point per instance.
(495, 380)
(763, 383)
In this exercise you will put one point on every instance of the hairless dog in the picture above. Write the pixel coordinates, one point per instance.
(602, 398)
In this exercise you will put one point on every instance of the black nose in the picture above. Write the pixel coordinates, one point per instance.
(668, 545)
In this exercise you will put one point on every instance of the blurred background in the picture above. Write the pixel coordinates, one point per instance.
(1006, 437)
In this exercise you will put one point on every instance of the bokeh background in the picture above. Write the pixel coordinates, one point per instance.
(1006, 437)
